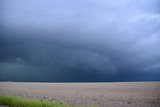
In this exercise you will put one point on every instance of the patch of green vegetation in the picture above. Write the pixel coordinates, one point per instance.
(14, 101)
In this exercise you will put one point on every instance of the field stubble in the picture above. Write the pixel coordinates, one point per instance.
(122, 94)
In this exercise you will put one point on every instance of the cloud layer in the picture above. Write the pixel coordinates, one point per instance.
(75, 40)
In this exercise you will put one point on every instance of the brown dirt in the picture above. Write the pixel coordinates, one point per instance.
(122, 94)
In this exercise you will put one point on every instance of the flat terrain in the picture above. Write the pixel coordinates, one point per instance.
(122, 94)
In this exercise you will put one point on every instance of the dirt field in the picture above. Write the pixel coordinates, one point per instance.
(122, 94)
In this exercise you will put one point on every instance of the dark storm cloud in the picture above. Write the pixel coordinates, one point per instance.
(79, 40)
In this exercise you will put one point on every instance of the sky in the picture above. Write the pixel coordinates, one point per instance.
(79, 40)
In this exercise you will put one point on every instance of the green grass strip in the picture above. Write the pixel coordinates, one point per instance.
(15, 101)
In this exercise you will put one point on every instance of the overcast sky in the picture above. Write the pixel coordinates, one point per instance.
(79, 40)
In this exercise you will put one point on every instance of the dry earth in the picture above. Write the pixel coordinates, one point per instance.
(122, 94)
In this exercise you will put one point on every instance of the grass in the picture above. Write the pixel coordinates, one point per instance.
(15, 101)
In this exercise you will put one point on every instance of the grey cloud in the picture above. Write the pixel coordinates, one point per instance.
(80, 41)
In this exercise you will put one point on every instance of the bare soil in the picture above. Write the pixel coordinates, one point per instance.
(120, 94)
